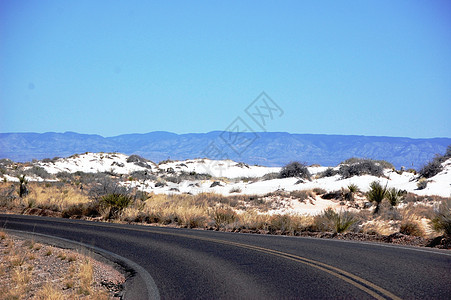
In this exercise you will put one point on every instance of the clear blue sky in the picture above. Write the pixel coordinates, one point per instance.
(334, 67)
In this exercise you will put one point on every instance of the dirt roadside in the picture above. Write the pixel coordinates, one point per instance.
(33, 270)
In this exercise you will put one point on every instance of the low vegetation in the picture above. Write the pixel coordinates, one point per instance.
(106, 196)
(358, 167)
(295, 169)
(246, 213)
(435, 166)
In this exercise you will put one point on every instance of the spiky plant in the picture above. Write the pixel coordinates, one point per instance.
(394, 196)
(23, 190)
(376, 194)
(116, 203)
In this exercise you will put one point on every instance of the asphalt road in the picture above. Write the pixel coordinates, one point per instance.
(198, 264)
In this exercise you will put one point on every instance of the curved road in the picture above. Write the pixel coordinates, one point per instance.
(198, 264)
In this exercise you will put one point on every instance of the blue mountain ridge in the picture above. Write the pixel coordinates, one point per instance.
(263, 148)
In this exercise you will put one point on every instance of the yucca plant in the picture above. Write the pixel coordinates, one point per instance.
(352, 189)
(376, 194)
(23, 190)
(116, 203)
(394, 196)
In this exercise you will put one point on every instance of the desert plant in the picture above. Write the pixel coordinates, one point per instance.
(361, 167)
(116, 203)
(235, 190)
(330, 220)
(302, 195)
(442, 220)
(376, 194)
(432, 168)
(422, 183)
(329, 172)
(410, 227)
(271, 176)
(435, 166)
(223, 216)
(350, 192)
(353, 188)
(394, 196)
(23, 190)
(295, 169)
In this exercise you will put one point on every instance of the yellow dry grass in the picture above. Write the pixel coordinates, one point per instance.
(53, 196)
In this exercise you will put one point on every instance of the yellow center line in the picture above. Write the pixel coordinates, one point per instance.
(350, 278)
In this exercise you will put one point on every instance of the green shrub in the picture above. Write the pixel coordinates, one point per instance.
(295, 169)
(116, 203)
(376, 194)
(394, 196)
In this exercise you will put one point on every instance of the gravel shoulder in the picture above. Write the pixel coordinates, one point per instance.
(33, 270)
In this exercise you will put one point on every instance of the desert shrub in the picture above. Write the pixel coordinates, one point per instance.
(413, 171)
(64, 176)
(143, 175)
(223, 216)
(442, 220)
(139, 161)
(410, 227)
(281, 223)
(329, 172)
(173, 179)
(361, 167)
(235, 190)
(434, 166)
(193, 176)
(38, 171)
(105, 187)
(295, 169)
(319, 191)
(329, 220)
(160, 184)
(376, 194)
(348, 194)
(422, 183)
(116, 203)
(271, 176)
(431, 169)
(82, 209)
(337, 195)
(355, 160)
(7, 195)
(215, 183)
(394, 195)
(302, 195)
(353, 188)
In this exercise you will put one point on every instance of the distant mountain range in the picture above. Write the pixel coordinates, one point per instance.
(263, 148)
